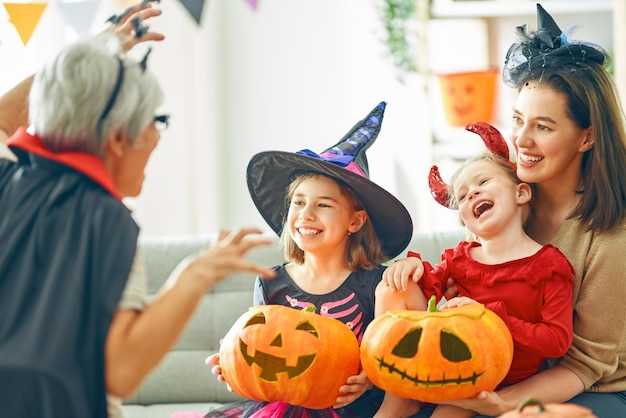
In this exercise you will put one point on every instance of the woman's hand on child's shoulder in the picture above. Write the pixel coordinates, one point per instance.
(398, 274)
(213, 361)
(353, 389)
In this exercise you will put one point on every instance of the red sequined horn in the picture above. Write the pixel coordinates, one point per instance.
(438, 188)
(495, 143)
(492, 138)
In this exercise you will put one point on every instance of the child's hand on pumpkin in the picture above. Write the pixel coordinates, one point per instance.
(213, 361)
(354, 388)
(397, 275)
(458, 301)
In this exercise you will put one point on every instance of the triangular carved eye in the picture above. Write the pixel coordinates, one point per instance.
(407, 346)
(277, 342)
(453, 348)
(308, 327)
(256, 320)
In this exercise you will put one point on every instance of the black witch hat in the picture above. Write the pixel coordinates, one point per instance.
(547, 47)
(270, 173)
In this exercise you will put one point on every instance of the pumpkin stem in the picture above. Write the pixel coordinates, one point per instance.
(432, 304)
(309, 308)
(531, 402)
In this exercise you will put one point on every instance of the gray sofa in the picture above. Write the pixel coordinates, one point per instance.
(182, 382)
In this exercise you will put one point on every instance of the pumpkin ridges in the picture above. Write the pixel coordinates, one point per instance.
(315, 388)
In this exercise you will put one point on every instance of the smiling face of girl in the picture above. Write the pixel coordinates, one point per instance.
(488, 196)
(321, 215)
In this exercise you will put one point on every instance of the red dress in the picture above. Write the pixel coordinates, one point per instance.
(533, 295)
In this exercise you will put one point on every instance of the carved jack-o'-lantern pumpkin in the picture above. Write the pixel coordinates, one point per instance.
(436, 355)
(535, 408)
(277, 353)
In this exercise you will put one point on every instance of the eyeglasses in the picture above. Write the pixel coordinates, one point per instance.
(161, 122)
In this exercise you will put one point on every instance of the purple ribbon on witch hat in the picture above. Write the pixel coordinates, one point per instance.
(344, 160)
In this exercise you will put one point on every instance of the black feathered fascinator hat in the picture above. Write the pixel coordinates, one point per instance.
(270, 173)
(545, 48)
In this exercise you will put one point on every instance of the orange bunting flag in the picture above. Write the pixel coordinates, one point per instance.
(25, 17)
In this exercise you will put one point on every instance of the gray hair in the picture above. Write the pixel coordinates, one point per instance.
(70, 93)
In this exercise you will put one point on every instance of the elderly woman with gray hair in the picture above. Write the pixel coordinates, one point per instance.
(75, 321)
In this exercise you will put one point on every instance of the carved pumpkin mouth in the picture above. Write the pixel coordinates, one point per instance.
(452, 348)
(271, 365)
(428, 382)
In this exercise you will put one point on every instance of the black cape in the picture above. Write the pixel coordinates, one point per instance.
(66, 250)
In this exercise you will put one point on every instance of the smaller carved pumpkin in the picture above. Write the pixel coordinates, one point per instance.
(277, 353)
(433, 355)
(536, 408)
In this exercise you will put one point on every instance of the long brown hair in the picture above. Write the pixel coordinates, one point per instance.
(592, 101)
(364, 249)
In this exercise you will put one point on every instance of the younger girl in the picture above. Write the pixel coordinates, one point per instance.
(528, 285)
(337, 228)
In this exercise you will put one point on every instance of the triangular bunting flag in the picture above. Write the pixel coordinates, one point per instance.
(25, 17)
(79, 15)
(125, 4)
(194, 7)
(254, 4)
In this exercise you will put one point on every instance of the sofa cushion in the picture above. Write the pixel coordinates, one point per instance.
(182, 376)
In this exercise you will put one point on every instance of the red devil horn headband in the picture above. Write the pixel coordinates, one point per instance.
(495, 143)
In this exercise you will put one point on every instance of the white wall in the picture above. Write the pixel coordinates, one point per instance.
(294, 74)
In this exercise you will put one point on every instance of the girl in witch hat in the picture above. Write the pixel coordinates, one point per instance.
(527, 284)
(337, 228)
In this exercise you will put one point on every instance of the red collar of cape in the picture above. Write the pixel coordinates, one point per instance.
(85, 163)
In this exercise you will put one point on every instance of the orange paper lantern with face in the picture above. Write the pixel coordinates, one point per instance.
(277, 353)
(468, 97)
(434, 356)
